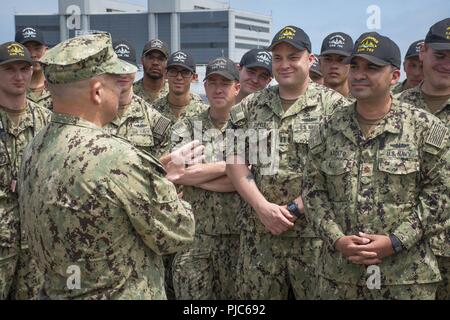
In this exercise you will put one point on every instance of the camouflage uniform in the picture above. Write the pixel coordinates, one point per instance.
(44, 100)
(388, 183)
(121, 210)
(270, 264)
(207, 269)
(398, 88)
(98, 211)
(143, 127)
(195, 107)
(19, 278)
(138, 88)
(441, 243)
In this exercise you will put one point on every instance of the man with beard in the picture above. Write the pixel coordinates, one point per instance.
(413, 69)
(335, 48)
(33, 40)
(154, 61)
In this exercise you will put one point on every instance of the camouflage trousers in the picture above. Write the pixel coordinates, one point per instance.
(8, 263)
(443, 291)
(332, 290)
(270, 265)
(168, 280)
(207, 269)
(20, 278)
(28, 279)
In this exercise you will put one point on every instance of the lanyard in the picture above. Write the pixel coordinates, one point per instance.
(11, 160)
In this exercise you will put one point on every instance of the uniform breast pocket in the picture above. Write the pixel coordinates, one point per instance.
(397, 179)
(300, 136)
(338, 175)
(141, 138)
(302, 130)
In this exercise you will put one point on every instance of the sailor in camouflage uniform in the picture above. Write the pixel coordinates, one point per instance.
(376, 186)
(20, 121)
(33, 40)
(98, 211)
(413, 69)
(336, 47)
(177, 104)
(180, 103)
(433, 95)
(137, 121)
(278, 249)
(207, 269)
(153, 85)
(255, 72)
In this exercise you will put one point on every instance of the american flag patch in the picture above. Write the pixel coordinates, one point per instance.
(161, 127)
(437, 136)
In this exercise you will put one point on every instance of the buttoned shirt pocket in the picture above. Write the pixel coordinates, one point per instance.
(302, 130)
(141, 137)
(338, 178)
(397, 180)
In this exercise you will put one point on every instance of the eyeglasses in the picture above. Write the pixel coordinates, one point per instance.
(173, 73)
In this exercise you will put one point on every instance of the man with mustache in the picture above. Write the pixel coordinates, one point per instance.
(433, 95)
(153, 85)
(335, 48)
(33, 40)
(376, 186)
(20, 121)
(413, 69)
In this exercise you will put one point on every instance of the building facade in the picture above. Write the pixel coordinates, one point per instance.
(206, 28)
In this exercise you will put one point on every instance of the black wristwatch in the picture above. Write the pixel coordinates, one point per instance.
(397, 245)
(293, 208)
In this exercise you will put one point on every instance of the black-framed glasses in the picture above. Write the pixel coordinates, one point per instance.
(173, 73)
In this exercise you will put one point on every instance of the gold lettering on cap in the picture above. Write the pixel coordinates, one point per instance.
(368, 44)
(287, 33)
(15, 50)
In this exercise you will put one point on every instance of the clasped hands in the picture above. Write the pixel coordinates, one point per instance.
(365, 249)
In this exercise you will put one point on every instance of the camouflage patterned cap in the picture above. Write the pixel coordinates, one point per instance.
(82, 58)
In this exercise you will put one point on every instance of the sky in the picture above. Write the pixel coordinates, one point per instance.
(404, 21)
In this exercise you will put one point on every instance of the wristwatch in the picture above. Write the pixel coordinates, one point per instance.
(293, 208)
(397, 245)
